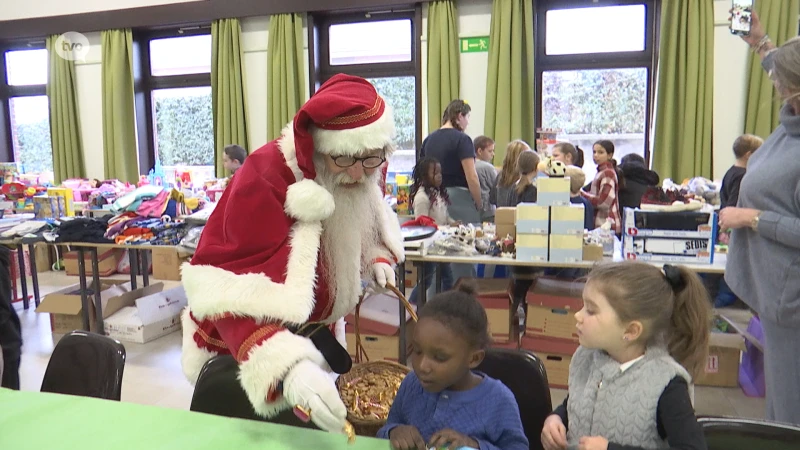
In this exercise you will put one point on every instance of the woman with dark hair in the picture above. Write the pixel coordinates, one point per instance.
(637, 179)
(451, 146)
(604, 191)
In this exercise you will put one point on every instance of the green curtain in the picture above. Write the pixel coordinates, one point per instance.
(685, 88)
(65, 131)
(779, 18)
(509, 85)
(228, 95)
(120, 154)
(443, 60)
(286, 70)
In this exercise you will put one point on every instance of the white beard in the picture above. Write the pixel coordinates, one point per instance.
(347, 235)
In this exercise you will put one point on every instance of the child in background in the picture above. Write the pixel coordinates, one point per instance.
(524, 190)
(643, 334)
(743, 147)
(570, 155)
(577, 178)
(429, 198)
(510, 173)
(487, 175)
(445, 401)
(605, 187)
(233, 157)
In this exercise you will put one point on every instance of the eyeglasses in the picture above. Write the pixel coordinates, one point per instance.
(369, 162)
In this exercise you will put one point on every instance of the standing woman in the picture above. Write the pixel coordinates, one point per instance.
(605, 187)
(764, 252)
(451, 146)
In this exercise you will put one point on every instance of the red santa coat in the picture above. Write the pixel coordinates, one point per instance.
(258, 268)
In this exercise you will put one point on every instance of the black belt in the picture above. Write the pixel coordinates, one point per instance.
(321, 336)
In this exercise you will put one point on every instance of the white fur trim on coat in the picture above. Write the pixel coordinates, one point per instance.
(287, 148)
(212, 291)
(307, 201)
(268, 363)
(378, 134)
(193, 358)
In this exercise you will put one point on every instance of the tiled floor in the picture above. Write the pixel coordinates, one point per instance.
(153, 374)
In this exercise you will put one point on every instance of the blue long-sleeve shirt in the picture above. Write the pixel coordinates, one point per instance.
(487, 413)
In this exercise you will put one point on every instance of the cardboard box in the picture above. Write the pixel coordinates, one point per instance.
(379, 326)
(552, 191)
(106, 262)
(506, 229)
(66, 194)
(411, 276)
(566, 248)
(493, 294)
(532, 247)
(533, 219)
(552, 304)
(49, 207)
(592, 252)
(167, 263)
(556, 357)
(567, 219)
(505, 216)
(682, 224)
(722, 366)
(150, 317)
(668, 250)
(66, 310)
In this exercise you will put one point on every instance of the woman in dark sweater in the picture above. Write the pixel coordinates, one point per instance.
(637, 179)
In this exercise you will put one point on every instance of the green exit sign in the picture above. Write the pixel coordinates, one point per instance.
(474, 44)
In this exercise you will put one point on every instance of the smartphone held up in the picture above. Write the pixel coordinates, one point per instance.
(741, 16)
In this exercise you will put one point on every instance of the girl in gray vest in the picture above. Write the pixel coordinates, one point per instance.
(643, 333)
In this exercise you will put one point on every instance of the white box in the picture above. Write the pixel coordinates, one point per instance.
(678, 224)
(567, 219)
(153, 316)
(666, 250)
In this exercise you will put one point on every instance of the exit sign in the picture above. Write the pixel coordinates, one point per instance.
(474, 44)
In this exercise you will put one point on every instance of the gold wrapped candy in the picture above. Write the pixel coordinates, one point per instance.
(371, 395)
(350, 431)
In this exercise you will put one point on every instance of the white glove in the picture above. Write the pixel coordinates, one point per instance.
(309, 386)
(383, 274)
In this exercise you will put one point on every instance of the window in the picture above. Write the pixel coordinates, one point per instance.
(594, 74)
(178, 117)
(384, 49)
(24, 97)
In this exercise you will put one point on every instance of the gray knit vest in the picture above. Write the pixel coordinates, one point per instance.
(619, 406)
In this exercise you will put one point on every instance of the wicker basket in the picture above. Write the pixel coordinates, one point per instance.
(368, 427)
(363, 366)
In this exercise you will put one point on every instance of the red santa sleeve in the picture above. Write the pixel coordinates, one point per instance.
(255, 271)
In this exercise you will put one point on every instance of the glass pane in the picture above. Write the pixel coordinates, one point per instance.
(184, 126)
(604, 29)
(26, 67)
(399, 93)
(589, 105)
(180, 55)
(30, 132)
(370, 42)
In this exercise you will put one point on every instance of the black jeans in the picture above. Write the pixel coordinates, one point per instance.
(10, 329)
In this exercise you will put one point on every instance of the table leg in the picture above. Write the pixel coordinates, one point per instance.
(438, 284)
(145, 267)
(98, 306)
(84, 296)
(133, 261)
(34, 273)
(401, 286)
(421, 288)
(23, 282)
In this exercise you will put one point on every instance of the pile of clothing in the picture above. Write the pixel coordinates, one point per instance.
(131, 228)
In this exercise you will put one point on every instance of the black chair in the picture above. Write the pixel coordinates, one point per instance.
(524, 374)
(724, 433)
(86, 364)
(219, 392)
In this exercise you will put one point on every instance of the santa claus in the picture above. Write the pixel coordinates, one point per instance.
(282, 258)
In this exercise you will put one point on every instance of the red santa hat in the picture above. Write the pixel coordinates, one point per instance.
(346, 116)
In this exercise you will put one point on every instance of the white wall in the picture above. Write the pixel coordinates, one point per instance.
(474, 20)
(12, 9)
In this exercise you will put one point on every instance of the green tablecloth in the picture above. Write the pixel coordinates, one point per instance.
(33, 420)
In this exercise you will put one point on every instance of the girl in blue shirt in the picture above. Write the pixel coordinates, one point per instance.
(445, 402)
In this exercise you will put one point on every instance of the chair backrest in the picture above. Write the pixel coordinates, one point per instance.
(524, 374)
(735, 433)
(86, 364)
(219, 392)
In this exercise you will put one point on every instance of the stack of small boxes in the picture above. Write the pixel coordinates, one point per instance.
(552, 228)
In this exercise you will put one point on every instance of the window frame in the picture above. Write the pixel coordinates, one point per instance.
(319, 54)
(7, 92)
(598, 61)
(145, 83)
